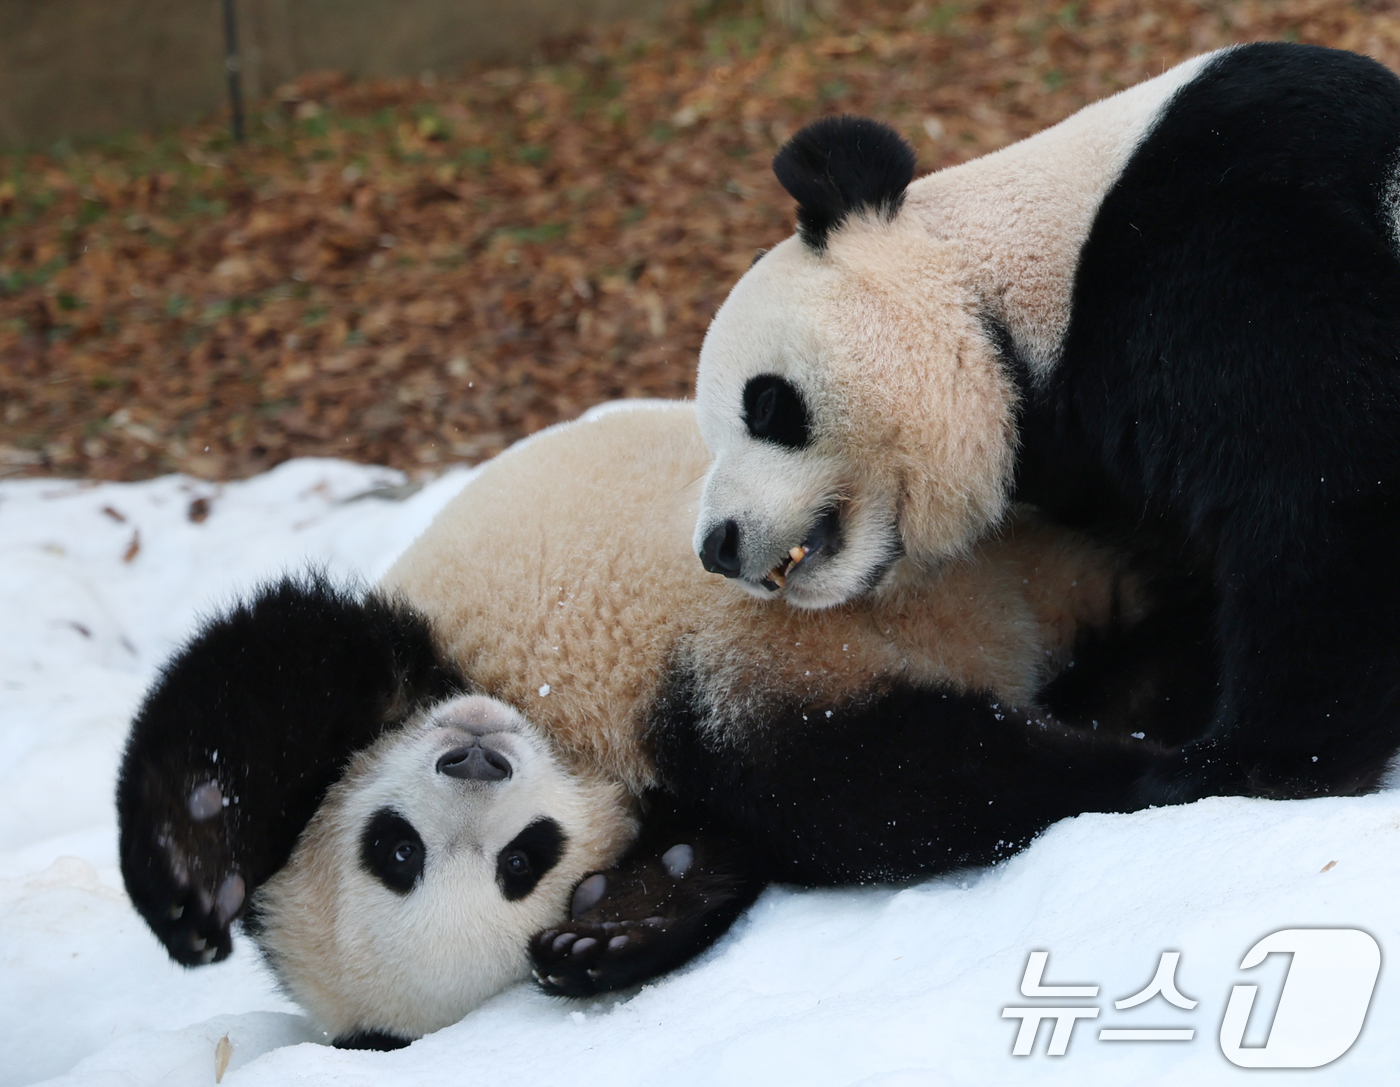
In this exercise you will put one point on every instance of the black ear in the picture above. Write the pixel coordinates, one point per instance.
(840, 165)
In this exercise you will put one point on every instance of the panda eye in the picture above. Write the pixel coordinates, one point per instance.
(524, 861)
(774, 411)
(392, 851)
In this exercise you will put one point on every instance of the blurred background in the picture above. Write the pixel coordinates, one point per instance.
(452, 222)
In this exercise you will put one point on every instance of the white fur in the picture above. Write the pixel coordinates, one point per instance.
(358, 955)
(567, 562)
(884, 333)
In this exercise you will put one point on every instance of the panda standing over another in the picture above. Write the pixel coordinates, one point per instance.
(1173, 317)
(550, 739)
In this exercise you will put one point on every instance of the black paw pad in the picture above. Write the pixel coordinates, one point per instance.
(184, 883)
(585, 958)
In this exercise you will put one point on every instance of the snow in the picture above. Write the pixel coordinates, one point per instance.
(886, 986)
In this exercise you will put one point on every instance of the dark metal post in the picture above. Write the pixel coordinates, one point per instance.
(232, 67)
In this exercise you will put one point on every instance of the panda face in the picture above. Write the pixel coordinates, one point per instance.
(856, 411)
(412, 895)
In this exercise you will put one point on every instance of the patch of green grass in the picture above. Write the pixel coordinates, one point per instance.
(544, 232)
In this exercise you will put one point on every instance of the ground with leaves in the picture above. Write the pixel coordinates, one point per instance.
(419, 272)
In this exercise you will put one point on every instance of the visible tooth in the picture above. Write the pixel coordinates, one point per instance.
(778, 577)
(798, 554)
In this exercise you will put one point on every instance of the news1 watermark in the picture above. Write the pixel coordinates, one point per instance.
(1318, 1016)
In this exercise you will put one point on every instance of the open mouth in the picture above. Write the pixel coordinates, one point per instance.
(823, 537)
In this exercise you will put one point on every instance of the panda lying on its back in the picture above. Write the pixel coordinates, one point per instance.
(1178, 308)
(398, 791)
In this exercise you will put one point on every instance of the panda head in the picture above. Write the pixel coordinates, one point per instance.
(414, 891)
(849, 389)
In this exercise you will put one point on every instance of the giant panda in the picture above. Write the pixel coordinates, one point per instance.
(1174, 315)
(548, 739)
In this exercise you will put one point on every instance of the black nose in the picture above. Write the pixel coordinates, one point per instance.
(474, 763)
(720, 551)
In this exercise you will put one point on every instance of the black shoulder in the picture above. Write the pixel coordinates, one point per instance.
(841, 165)
(241, 735)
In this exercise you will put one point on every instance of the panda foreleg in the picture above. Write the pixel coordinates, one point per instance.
(673, 894)
(898, 784)
(1309, 630)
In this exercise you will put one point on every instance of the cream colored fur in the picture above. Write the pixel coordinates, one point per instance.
(358, 955)
(563, 581)
(1021, 215)
(566, 565)
(884, 334)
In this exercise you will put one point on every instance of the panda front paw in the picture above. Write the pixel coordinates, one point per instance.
(659, 908)
(181, 878)
(586, 958)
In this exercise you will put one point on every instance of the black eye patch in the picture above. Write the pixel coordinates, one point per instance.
(532, 853)
(775, 412)
(392, 851)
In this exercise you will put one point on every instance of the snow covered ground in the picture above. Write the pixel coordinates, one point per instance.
(877, 986)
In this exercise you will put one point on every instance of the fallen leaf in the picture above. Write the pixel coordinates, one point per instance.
(222, 1052)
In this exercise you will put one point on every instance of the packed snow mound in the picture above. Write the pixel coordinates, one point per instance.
(887, 986)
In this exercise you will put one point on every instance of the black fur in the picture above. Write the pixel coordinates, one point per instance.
(647, 920)
(912, 781)
(1231, 372)
(392, 851)
(525, 860)
(840, 166)
(268, 702)
(371, 1039)
(892, 785)
(774, 411)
